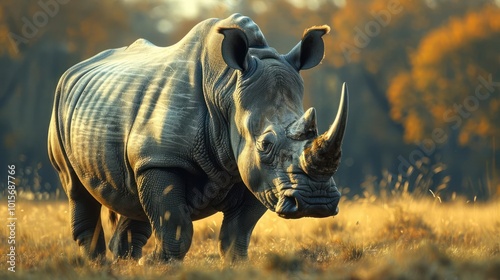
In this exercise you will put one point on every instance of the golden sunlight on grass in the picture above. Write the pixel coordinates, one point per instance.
(401, 239)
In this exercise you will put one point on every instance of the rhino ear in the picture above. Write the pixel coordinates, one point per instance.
(235, 47)
(310, 50)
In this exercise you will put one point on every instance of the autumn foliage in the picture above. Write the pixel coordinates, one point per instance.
(453, 81)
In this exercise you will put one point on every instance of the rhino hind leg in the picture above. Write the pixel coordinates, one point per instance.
(238, 223)
(129, 237)
(85, 211)
(86, 226)
(162, 194)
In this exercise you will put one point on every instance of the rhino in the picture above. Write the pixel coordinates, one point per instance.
(164, 136)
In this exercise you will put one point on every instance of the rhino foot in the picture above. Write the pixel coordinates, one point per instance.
(128, 238)
(153, 259)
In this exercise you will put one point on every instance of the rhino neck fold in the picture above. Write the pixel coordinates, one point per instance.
(216, 129)
(219, 85)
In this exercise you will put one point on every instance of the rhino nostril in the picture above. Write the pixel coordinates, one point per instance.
(292, 200)
(287, 205)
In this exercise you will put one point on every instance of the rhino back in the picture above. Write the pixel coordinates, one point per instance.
(131, 108)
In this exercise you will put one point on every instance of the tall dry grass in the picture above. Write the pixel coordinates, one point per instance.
(371, 238)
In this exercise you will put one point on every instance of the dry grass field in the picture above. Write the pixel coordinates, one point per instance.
(402, 238)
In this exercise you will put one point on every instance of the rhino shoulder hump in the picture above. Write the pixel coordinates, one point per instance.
(141, 43)
(255, 36)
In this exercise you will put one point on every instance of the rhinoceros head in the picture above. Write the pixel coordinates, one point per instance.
(280, 156)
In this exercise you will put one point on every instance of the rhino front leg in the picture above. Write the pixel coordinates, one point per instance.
(129, 237)
(240, 217)
(163, 196)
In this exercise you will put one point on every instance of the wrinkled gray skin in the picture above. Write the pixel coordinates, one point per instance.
(167, 135)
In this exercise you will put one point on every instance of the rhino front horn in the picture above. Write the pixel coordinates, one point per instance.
(322, 156)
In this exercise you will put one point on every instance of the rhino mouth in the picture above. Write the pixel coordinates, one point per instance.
(294, 204)
(291, 203)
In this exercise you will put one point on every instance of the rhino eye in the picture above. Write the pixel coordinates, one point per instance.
(265, 142)
(264, 146)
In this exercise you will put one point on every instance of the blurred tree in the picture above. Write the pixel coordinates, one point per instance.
(374, 41)
(451, 93)
(453, 80)
(379, 34)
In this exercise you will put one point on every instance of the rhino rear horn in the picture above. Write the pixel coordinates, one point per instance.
(322, 156)
(305, 127)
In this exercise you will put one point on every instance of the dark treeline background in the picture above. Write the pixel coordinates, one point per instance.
(424, 78)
